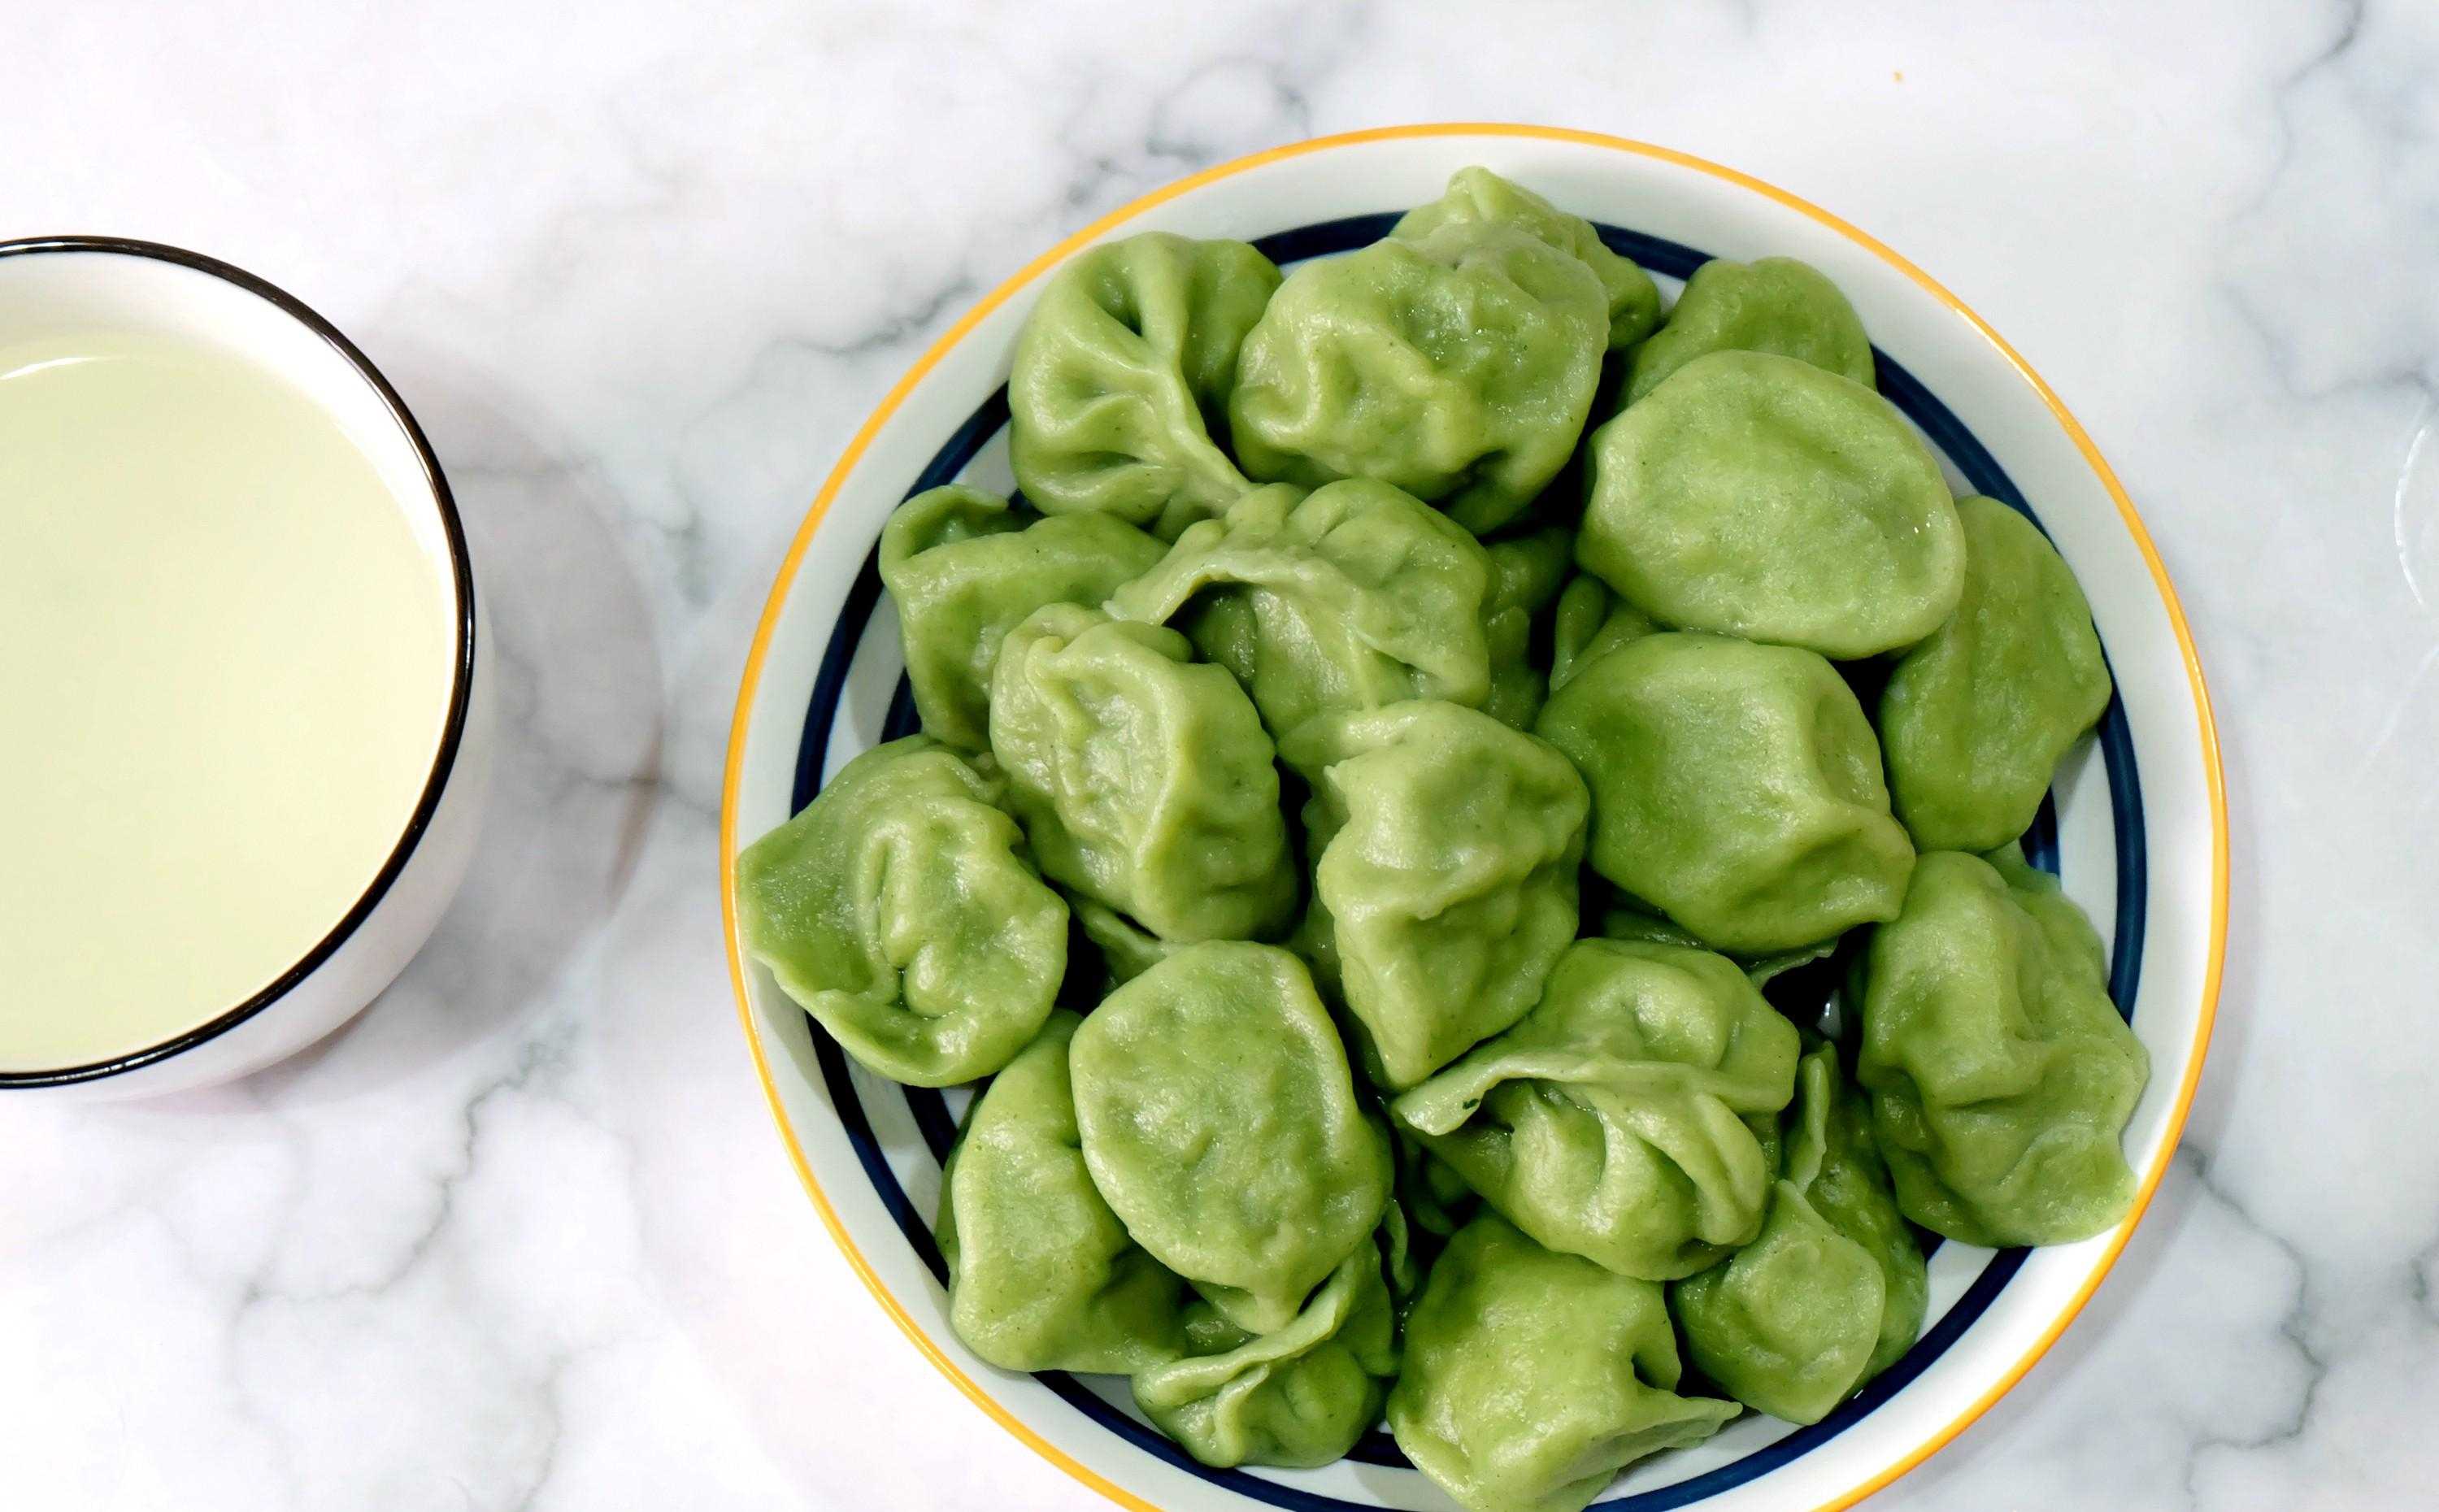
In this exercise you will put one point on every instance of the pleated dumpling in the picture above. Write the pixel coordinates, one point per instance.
(1220, 1121)
(964, 568)
(1756, 495)
(1299, 1396)
(1351, 597)
(1774, 305)
(1458, 365)
(1526, 574)
(1477, 194)
(1446, 849)
(901, 910)
(1118, 391)
(1041, 1274)
(1144, 777)
(1832, 1291)
(1623, 1118)
(1735, 788)
(1974, 719)
(1999, 1074)
(1531, 1379)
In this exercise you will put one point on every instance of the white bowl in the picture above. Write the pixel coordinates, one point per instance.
(2145, 854)
(110, 284)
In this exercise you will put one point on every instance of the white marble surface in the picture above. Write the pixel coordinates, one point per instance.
(523, 1238)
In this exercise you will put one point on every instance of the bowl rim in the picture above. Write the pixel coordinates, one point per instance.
(784, 583)
(461, 669)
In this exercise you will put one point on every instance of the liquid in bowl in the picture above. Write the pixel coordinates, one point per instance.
(227, 660)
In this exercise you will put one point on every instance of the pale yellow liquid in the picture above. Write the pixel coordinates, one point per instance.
(224, 665)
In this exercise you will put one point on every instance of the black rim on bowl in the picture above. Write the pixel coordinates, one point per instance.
(461, 676)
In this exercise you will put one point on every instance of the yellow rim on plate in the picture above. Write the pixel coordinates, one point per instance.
(2214, 777)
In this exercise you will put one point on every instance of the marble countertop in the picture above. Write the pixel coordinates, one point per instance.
(523, 1235)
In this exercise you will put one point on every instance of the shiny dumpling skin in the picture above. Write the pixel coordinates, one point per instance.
(1526, 574)
(1222, 1123)
(1119, 385)
(1353, 596)
(1144, 778)
(1756, 495)
(2000, 1075)
(1531, 1378)
(1297, 1397)
(1617, 1120)
(901, 910)
(964, 568)
(1833, 1290)
(1974, 719)
(1041, 1274)
(1447, 850)
(1736, 788)
(1772, 305)
(1458, 367)
(1477, 194)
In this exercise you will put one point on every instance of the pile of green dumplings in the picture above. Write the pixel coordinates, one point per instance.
(1365, 785)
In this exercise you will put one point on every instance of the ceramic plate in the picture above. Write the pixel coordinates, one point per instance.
(2136, 826)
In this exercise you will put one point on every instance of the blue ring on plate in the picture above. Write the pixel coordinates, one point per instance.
(930, 1112)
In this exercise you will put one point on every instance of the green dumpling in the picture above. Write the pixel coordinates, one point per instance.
(1447, 850)
(1622, 922)
(899, 910)
(1832, 1292)
(1432, 1198)
(1974, 719)
(1526, 575)
(2001, 1077)
(1117, 395)
(1736, 788)
(1774, 305)
(1532, 1378)
(1041, 1274)
(1222, 1123)
(1125, 947)
(1458, 367)
(1351, 597)
(1144, 778)
(1591, 621)
(963, 568)
(1477, 194)
(1759, 496)
(1618, 1119)
(1298, 1396)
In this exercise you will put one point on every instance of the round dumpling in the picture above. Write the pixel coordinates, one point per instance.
(1833, 1290)
(1459, 367)
(1756, 495)
(1774, 305)
(1351, 597)
(1299, 1396)
(899, 908)
(2000, 1076)
(1447, 849)
(963, 568)
(1532, 1378)
(1119, 386)
(1735, 788)
(1477, 194)
(1623, 1118)
(1144, 777)
(1219, 1119)
(1041, 1274)
(1974, 719)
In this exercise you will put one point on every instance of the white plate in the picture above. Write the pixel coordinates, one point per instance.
(2140, 826)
